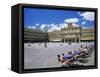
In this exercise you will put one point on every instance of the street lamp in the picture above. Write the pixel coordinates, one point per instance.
(45, 30)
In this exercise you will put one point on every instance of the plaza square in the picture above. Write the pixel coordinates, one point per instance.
(58, 38)
(38, 56)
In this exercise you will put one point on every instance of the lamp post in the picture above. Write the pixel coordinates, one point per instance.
(45, 30)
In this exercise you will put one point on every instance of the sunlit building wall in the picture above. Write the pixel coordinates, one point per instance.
(73, 34)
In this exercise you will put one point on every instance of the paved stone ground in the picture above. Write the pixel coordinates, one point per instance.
(38, 56)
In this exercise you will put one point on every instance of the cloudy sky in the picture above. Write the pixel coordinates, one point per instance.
(56, 19)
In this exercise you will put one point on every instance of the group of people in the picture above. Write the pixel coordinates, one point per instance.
(72, 56)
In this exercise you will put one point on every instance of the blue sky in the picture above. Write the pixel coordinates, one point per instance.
(56, 19)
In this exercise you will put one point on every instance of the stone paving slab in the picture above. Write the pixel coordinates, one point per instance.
(38, 56)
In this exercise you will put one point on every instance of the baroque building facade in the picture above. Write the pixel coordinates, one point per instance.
(73, 34)
(87, 35)
(68, 34)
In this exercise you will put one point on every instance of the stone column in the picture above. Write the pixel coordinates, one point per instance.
(79, 40)
(75, 40)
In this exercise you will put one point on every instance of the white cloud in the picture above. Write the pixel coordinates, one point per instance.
(55, 27)
(71, 20)
(63, 25)
(52, 27)
(43, 26)
(31, 27)
(75, 25)
(79, 12)
(52, 24)
(36, 24)
(87, 15)
(83, 22)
